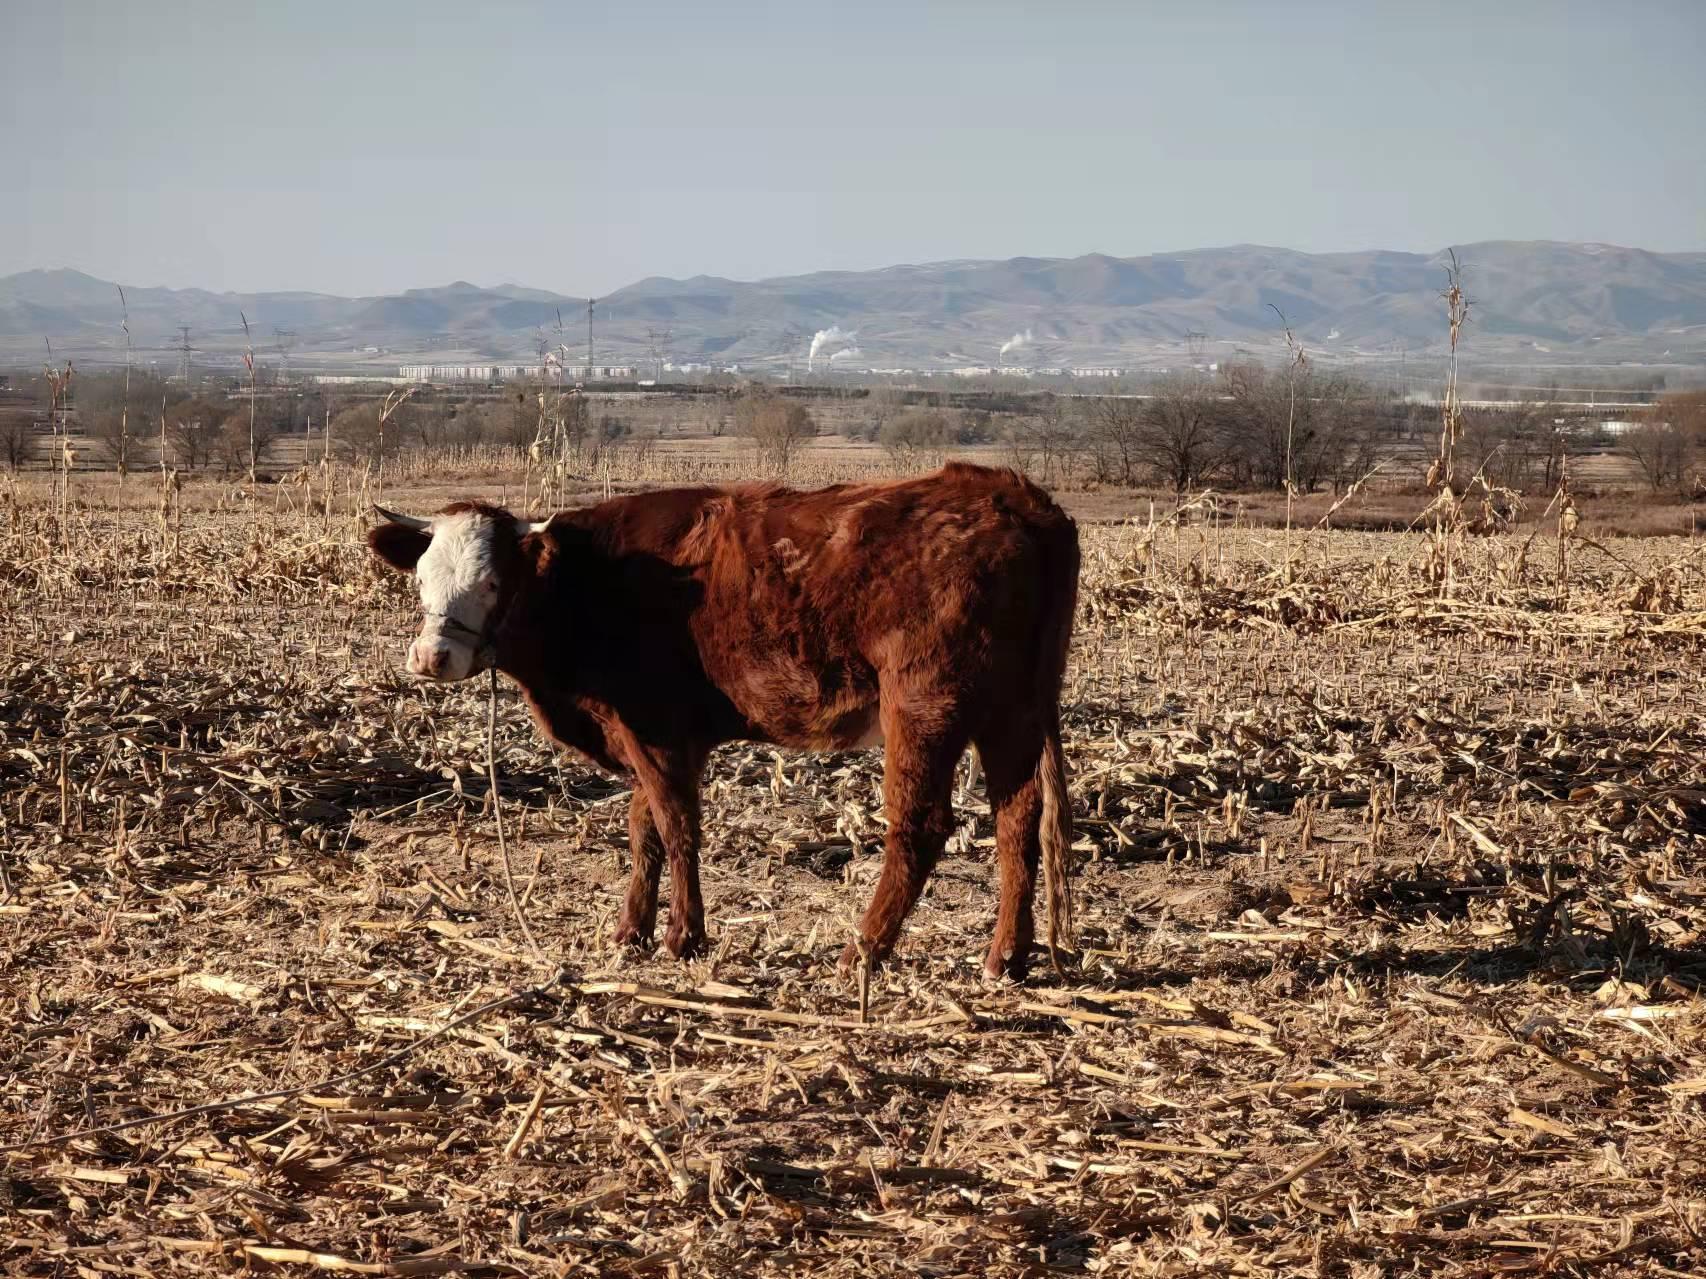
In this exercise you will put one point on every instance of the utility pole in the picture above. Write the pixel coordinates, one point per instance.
(590, 303)
(124, 412)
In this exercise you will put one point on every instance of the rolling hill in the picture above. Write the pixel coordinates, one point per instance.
(1551, 299)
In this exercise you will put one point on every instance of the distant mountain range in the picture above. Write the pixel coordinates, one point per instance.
(1534, 301)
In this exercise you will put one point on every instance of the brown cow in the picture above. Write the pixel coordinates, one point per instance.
(924, 614)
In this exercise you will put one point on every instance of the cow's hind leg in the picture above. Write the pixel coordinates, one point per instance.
(669, 780)
(918, 784)
(1010, 754)
(640, 910)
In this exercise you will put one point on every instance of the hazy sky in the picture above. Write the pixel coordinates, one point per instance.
(361, 147)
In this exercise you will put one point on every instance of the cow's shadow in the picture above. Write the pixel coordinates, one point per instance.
(1570, 959)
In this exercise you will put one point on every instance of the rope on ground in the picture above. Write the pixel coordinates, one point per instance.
(497, 808)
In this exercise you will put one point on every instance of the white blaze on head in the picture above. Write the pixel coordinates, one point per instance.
(458, 577)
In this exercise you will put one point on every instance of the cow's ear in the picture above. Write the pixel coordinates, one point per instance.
(398, 545)
(538, 547)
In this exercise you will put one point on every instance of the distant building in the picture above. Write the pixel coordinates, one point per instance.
(489, 373)
(447, 372)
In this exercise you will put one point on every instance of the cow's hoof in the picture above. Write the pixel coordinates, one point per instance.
(848, 964)
(634, 936)
(684, 940)
(999, 966)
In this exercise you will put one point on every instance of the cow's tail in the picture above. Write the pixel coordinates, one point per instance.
(1060, 602)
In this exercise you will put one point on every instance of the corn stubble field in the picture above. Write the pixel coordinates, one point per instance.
(1389, 952)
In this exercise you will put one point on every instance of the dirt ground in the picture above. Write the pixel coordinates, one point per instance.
(1389, 956)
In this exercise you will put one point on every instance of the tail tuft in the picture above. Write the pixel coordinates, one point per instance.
(1060, 566)
(1056, 838)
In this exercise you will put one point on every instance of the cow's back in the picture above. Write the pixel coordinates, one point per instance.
(810, 597)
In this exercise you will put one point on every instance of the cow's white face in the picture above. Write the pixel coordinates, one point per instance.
(457, 561)
(459, 586)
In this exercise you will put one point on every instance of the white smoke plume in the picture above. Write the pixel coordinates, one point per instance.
(1014, 343)
(832, 336)
(845, 353)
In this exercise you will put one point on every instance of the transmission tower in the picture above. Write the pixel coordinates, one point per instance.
(283, 341)
(184, 349)
(1196, 342)
(792, 336)
(657, 343)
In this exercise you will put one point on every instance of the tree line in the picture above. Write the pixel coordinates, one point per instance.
(149, 419)
(1243, 426)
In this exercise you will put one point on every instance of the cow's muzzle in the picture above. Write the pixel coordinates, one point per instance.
(451, 651)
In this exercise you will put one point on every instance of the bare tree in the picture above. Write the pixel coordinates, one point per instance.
(1183, 432)
(15, 433)
(192, 429)
(1659, 449)
(479, 422)
(777, 427)
(1047, 444)
(245, 441)
(1337, 442)
(1685, 411)
(358, 433)
(916, 438)
(431, 425)
(103, 408)
(1116, 440)
(1521, 447)
(1668, 442)
(882, 406)
(1260, 422)
(1304, 425)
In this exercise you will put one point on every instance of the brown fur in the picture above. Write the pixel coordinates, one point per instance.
(647, 630)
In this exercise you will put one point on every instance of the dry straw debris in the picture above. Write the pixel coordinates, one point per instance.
(1391, 919)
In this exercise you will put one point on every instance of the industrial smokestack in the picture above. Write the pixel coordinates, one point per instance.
(832, 336)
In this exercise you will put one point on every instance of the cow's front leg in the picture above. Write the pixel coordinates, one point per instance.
(670, 782)
(640, 910)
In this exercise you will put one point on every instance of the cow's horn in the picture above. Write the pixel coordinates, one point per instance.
(407, 521)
